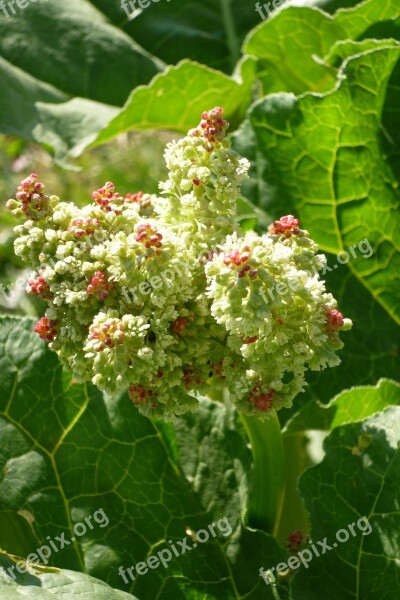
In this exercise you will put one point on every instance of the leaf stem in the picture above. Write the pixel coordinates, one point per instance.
(230, 30)
(268, 490)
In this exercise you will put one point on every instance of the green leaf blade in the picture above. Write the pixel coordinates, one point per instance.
(356, 484)
(324, 153)
(68, 454)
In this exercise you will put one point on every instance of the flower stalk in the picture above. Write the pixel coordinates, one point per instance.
(268, 489)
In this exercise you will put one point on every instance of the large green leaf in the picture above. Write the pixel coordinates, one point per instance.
(66, 69)
(46, 583)
(351, 405)
(256, 188)
(326, 161)
(286, 46)
(73, 48)
(67, 453)
(371, 348)
(208, 31)
(176, 98)
(37, 111)
(358, 21)
(357, 484)
(292, 45)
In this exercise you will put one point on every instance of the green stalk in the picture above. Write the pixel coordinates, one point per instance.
(268, 489)
(294, 515)
(230, 30)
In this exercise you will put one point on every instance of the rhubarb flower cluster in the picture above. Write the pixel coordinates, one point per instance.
(166, 298)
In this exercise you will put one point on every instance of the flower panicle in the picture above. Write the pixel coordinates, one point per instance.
(165, 297)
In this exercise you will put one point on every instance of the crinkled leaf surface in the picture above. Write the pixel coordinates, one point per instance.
(357, 22)
(286, 45)
(67, 452)
(288, 166)
(359, 477)
(325, 155)
(255, 188)
(67, 69)
(292, 45)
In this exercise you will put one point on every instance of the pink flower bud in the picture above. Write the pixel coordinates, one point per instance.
(286, 226)
(46, 329)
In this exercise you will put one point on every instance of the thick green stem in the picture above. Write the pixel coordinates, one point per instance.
(268, 489)
(294, 515)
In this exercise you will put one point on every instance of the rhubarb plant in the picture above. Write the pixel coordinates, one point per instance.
(207, 404)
